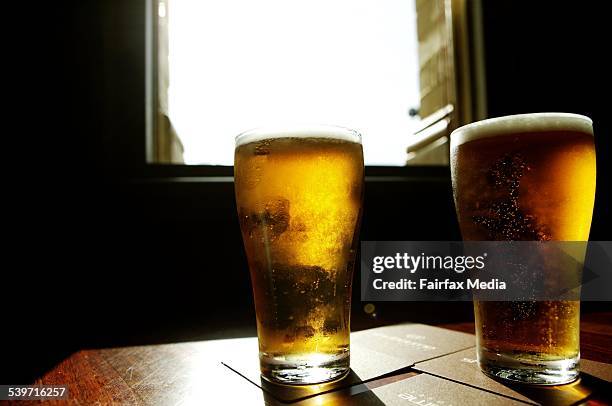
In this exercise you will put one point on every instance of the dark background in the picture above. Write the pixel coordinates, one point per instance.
(111, 252)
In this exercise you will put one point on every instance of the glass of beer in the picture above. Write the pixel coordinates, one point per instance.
(528, 177)
(299, 197)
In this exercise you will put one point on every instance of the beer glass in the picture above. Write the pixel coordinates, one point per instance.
(299, 194)
(528, 177)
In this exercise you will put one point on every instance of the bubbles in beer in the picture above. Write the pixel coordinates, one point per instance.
(304, 289)
(505, 219)
(274, 219)
(262, 147)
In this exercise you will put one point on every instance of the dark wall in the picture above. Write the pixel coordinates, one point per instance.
(550, 55)
(123, 254)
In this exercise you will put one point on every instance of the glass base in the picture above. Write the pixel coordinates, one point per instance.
(306, 369)
(530, 369)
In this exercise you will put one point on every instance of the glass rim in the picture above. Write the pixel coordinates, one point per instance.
(521, 123)
(334, 132)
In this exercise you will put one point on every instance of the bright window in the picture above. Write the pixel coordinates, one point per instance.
(238, 64)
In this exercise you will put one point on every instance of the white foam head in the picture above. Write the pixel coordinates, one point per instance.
(311, 131)
(522, 124)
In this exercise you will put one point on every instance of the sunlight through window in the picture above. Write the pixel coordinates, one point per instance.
(239, 64)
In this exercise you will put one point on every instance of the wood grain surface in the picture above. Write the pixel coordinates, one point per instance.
(189, 373)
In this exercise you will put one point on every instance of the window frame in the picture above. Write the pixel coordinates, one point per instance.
(135, 143)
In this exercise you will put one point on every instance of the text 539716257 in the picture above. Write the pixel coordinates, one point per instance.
(33, 392)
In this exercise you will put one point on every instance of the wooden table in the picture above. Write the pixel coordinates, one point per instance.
(181, 374)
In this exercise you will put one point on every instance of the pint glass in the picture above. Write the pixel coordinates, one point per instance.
(527, 177)
(299, 195)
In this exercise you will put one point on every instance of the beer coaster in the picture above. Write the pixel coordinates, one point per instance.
(599, 370)
(427, 390)
(412, 342)
(462, 367)
(374, 353)
(360, 394)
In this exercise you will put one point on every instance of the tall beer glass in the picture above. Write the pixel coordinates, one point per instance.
(521, 178)
(299, 195)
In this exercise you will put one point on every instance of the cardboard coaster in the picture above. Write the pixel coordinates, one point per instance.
(411, 342)
(463, 367)
(421, 390)
(374, 353)
(599, 370)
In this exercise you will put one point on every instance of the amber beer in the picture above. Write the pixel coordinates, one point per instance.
(523, 178)
(299, 197)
